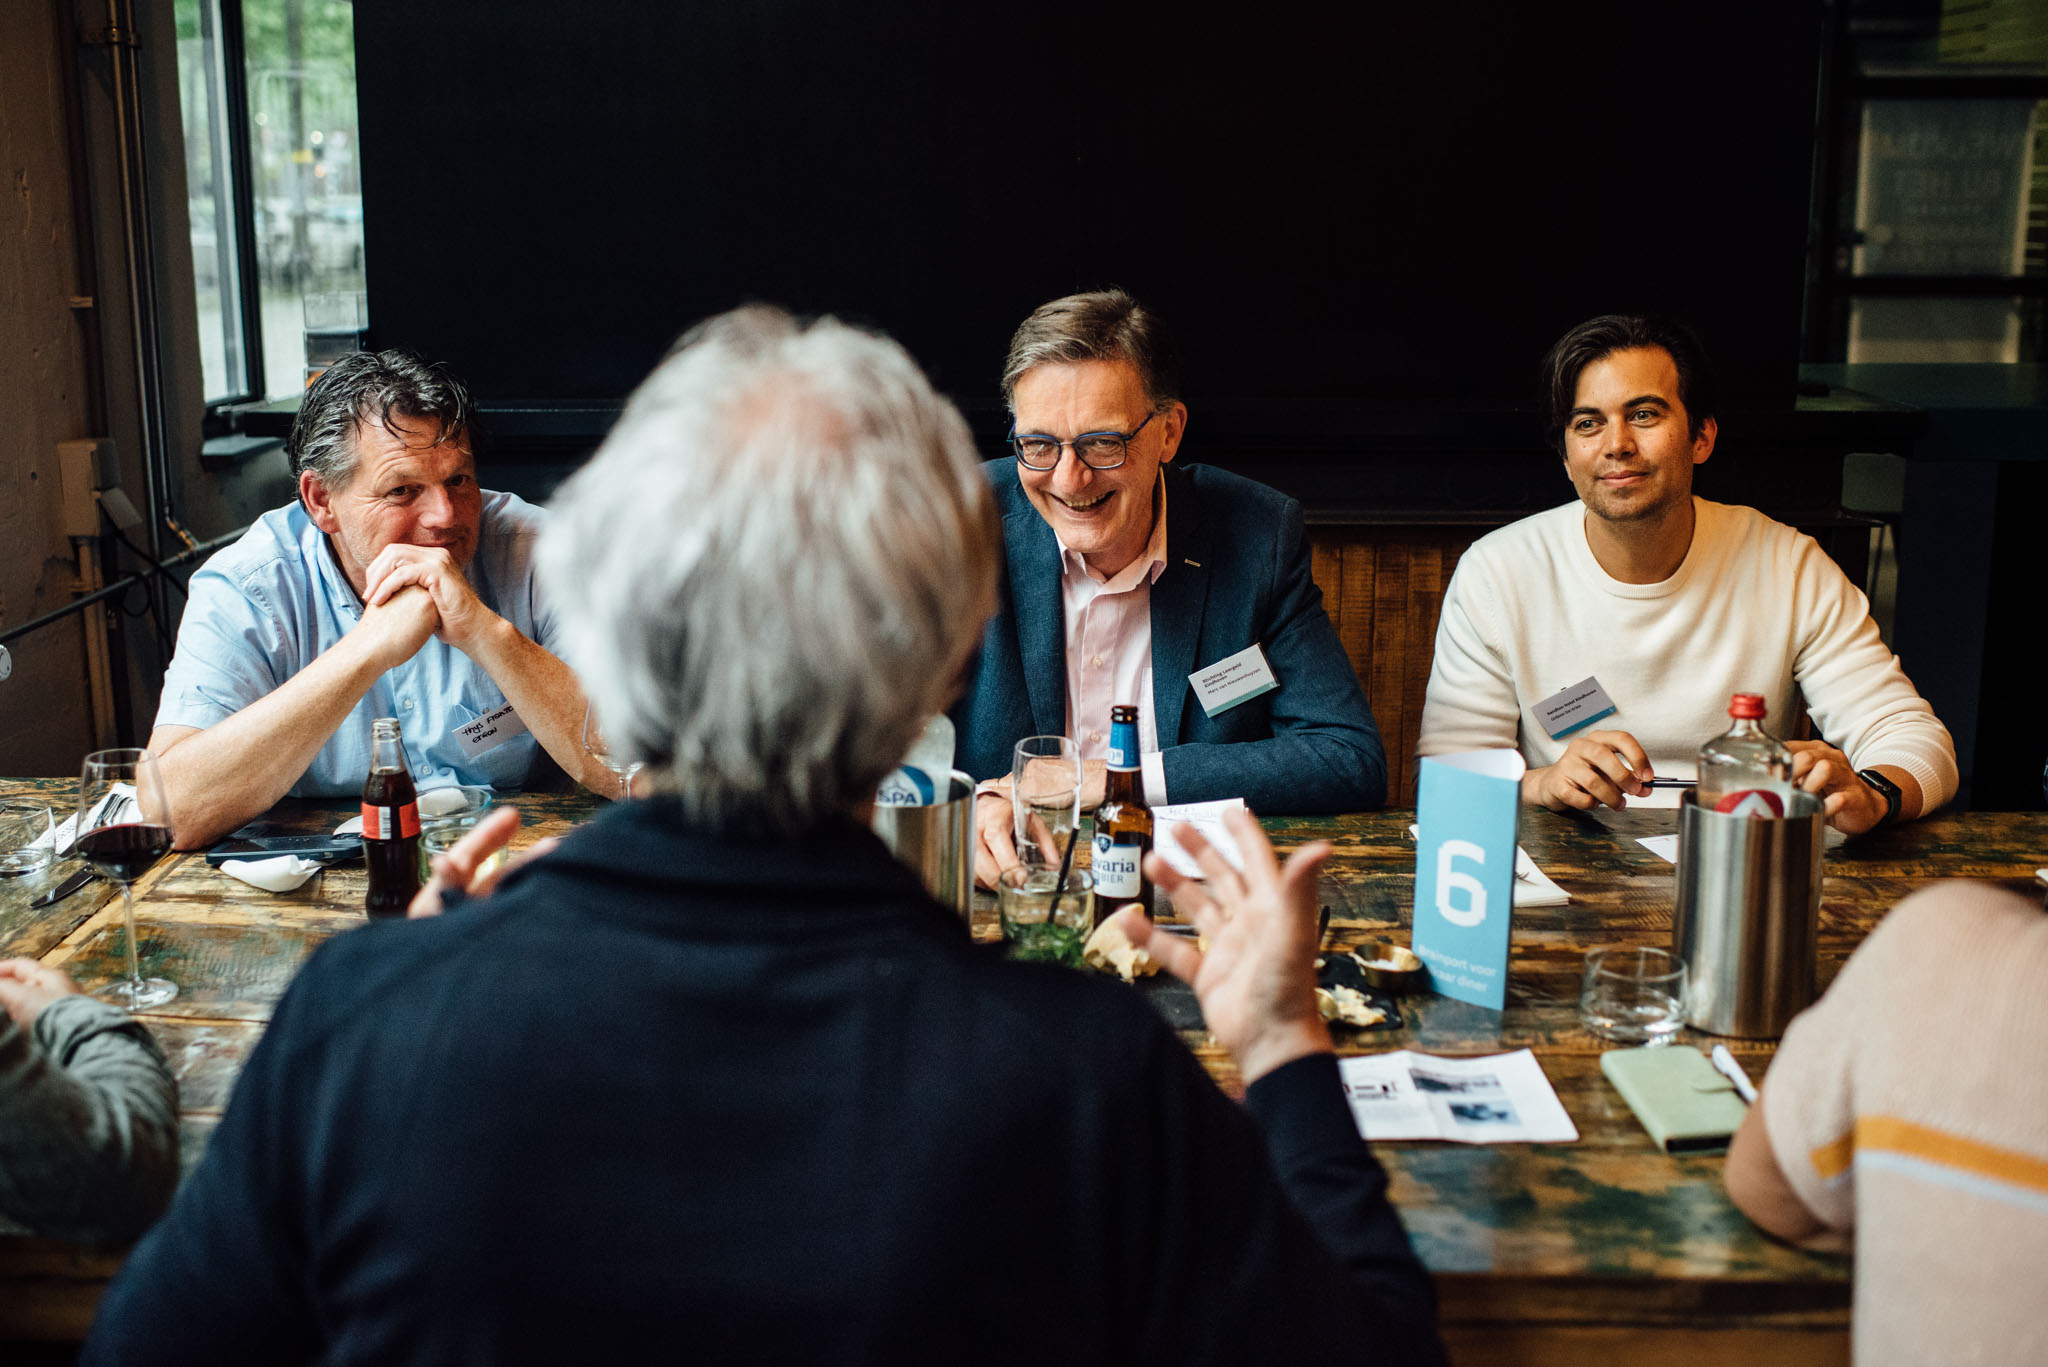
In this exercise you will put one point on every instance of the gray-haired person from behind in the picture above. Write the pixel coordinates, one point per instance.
(716, 1071)
(775, 568)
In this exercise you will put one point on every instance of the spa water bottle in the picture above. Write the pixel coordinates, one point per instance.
(926, 773)
(1744, 770)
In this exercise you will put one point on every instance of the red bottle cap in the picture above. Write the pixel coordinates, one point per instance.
(1747, 707)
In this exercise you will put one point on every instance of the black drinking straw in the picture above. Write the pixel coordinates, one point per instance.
(1052, 917)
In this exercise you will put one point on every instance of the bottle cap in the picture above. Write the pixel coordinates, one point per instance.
(1747, 707)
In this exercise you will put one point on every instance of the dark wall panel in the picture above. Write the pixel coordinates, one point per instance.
(1333, 203)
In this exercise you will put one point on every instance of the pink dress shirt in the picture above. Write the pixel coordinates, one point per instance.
(1109, 650)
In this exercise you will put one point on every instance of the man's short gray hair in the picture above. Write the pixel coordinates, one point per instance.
(775, 567)
(1102, 325)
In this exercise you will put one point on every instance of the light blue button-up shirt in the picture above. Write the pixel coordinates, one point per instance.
(267, 606)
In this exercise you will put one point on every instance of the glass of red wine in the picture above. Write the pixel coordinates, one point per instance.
(124, 826)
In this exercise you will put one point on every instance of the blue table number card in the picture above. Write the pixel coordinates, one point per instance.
(1465, 871)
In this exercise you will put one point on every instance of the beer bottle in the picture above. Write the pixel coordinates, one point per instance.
(1123, 824)
(391, 824)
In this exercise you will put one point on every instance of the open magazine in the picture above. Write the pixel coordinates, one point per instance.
(1499, 1099)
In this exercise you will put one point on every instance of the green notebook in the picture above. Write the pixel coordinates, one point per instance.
(1685, 1105)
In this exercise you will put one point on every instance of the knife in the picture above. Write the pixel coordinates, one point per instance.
(77, 880)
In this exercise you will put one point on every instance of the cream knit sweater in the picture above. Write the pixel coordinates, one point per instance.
(1756, 607)
(1910, 1106)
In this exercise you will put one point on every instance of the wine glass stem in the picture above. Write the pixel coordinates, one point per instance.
(128, 924)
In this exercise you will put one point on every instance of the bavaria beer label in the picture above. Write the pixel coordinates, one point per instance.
(1116, 868)
(1123, 745)
(391, 823)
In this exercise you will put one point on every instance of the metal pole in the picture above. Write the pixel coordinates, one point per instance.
(121, 585)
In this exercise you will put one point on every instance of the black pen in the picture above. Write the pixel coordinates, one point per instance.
(1673, 782)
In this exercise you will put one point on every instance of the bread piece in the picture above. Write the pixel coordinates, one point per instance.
(1110, 950)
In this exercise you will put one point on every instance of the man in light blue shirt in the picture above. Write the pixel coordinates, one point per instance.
(394, 587)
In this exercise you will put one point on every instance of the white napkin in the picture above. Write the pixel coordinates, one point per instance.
(1533, 887)
(281, 873)
(1665, 847)
(435, 802)
(1206, 817)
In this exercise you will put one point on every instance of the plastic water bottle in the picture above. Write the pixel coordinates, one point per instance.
(1744, 770)
(925, 773)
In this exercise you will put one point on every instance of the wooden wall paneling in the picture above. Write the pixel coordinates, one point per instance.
(1383, 589)
(1386, 681)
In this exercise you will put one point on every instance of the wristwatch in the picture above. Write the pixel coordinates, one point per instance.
(1884, 786)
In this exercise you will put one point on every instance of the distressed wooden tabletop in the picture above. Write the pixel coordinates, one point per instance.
(1607, 1230)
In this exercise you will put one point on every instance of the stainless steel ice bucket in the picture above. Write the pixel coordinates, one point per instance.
(937, 841)
(1747, 916)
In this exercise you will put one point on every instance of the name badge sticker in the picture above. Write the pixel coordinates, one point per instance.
(490, 731)
(1574, 707)
(1232, 680)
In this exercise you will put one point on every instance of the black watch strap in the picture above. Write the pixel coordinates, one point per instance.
(1885, 786)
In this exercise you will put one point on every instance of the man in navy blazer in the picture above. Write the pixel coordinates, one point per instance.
(1107, 601)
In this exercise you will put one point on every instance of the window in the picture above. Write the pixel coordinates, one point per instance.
(1934, 220)
(269, 95)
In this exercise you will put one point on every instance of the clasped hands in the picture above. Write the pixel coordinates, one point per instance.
(1606, 768)
(413, 592)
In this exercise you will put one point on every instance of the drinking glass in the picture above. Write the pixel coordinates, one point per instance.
(124, 826)
(444, 836)
(1045, 797)
(1633, 995)
(27, 836)
(1033, 927)
(601, 751)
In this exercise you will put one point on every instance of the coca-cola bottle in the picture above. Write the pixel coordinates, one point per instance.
(1744, 770)
(391, 824)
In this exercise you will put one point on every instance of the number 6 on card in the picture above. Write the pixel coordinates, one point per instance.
(1465, 872)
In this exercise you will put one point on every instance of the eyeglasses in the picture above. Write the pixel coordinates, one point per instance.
(1096, 450)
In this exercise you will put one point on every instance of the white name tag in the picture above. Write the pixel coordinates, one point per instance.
(1223, 685)
(490, 731)
(1570, 709)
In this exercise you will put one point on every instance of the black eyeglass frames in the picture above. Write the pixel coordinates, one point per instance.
(1096, 450)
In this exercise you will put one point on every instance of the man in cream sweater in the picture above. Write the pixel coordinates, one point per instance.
(1670, 604)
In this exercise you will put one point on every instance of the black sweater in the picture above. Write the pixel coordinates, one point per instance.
(753, 1102)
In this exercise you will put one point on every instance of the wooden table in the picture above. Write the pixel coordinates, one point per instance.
(1544, 1253)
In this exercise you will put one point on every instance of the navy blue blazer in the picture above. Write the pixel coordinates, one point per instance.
(1237, 572)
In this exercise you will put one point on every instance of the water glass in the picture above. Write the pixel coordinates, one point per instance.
(600, 749)
(444, 835)
(1633, 995)
(27, 836)
(1033, 928)
(1045, 797)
